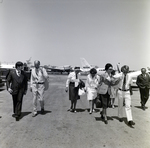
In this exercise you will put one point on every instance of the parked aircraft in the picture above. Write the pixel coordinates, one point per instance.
(134, 75)
(60, 69)
(5, 68)
(85, 69)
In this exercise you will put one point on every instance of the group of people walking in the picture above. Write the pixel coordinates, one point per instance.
(107, 86)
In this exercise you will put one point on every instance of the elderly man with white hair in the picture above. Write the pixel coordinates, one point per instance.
(38, 78)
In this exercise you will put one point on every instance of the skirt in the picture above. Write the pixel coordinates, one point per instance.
(105, 98)
(73, 92)
(92, 94)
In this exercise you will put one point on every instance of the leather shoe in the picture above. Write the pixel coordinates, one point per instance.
(130, 123)
(102, 117)
(121, 120)
(14, 115)
(17, 118)
(42, 111)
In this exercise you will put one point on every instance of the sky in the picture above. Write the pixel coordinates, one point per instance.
(60, 32)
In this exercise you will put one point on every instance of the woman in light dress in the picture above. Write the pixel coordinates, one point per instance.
(92, 83)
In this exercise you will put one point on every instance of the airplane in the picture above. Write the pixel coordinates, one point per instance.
(134, 75)
(28, 62)
(60, 69)
(5, 68)
(86, 67)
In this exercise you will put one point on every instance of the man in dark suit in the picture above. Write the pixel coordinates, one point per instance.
(143, 82)
(17, 87)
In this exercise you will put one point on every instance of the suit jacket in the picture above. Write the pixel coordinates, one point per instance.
(17, 83)
(105, 85)
(143, 81)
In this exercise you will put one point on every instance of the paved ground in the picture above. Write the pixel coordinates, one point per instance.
(59, 128)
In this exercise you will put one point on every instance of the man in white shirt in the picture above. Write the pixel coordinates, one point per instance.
(38, 78)
(125, 92)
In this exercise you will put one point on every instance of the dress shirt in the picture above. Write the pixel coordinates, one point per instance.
(72, 78)
(18, 72)
(39, 77)
(121, 77)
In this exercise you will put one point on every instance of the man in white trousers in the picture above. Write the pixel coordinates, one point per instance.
(124, 93)
(38, 78)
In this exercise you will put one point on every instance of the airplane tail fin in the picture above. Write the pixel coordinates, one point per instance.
(84, 63)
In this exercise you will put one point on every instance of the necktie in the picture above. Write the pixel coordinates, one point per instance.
(124, 82)
(19, 73)
(76, 76)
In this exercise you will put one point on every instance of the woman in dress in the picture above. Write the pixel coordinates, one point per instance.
(105, 91)
(91, 88)
(114, 89)
(72, 84)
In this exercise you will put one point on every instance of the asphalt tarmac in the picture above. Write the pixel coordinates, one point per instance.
(59, 128)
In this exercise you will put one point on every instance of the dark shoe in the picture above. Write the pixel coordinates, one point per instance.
(121, 120)
(143, 107)
(17, 118)
(131, 123)
(42, 111)
(102, 115)
(14, 115)
(71, 110)
(0, 116)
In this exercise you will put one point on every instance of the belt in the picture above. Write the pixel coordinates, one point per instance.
(72, 82)
(38, 82)
(124, 89)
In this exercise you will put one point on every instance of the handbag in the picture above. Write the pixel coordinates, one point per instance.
(81, 84)
(81, 91)
(98, 101)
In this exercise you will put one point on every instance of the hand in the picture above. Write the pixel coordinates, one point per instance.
(31, 89)
(10, 90)
(66, 89)
(131, 92)
(25, 92)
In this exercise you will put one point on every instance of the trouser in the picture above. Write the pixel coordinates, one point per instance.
(121, 96)
(17, 103)
(38, 94)
(144, 95)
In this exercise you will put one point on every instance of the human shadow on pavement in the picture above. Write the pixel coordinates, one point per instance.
(124, 120)
(45, 112)
(139, 107)
(23, 114)
(96, 110)
(80, 110)
(100, 119)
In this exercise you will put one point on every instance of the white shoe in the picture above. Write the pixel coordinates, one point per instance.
(34, 114)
